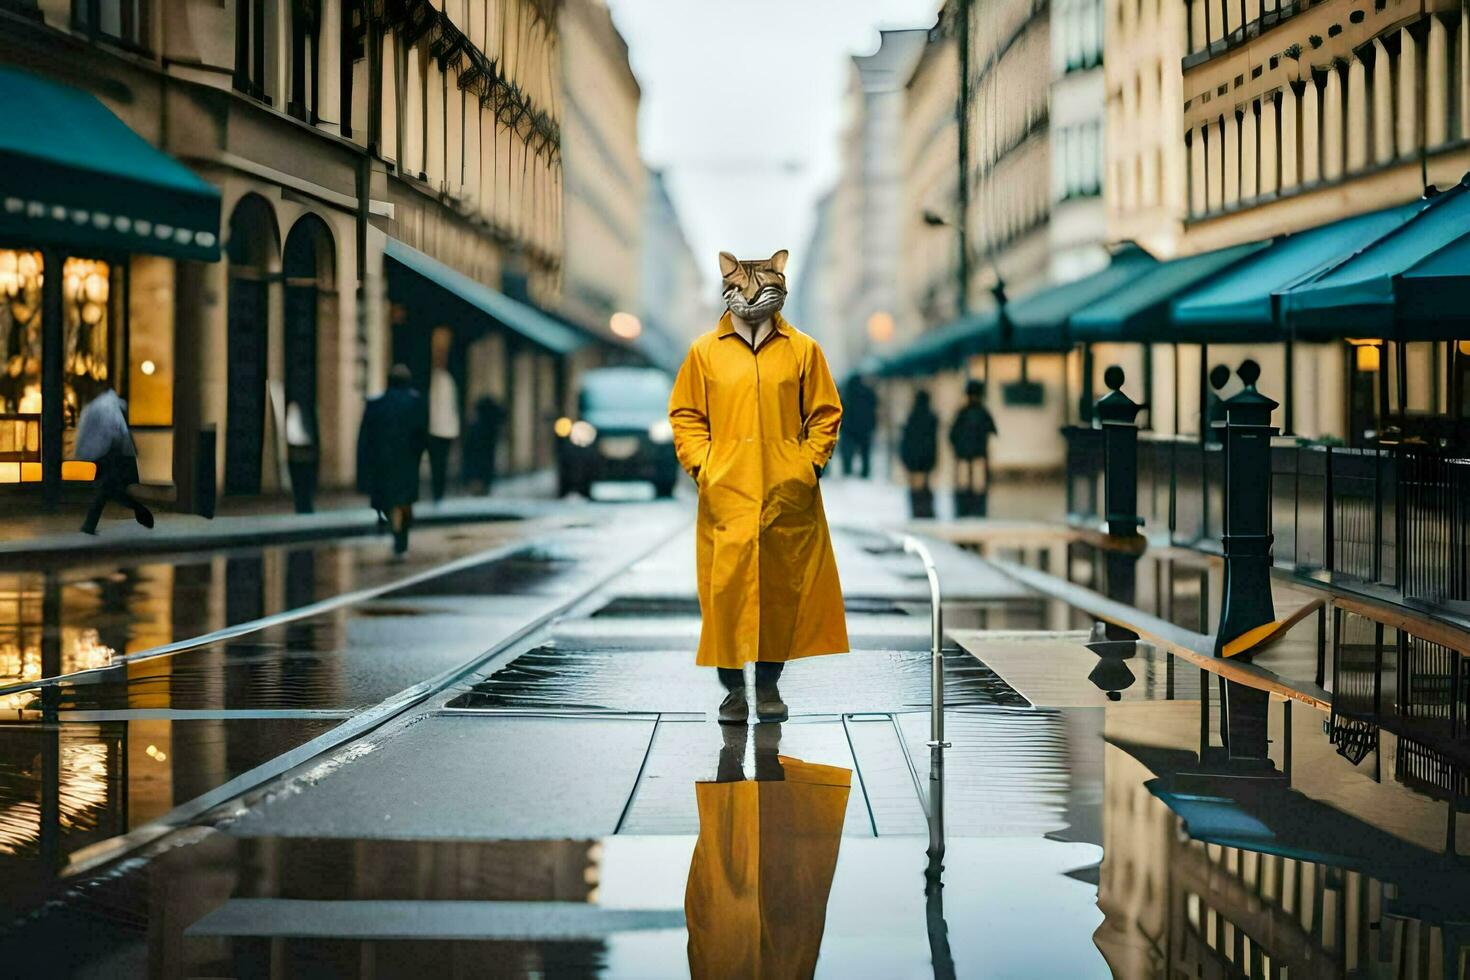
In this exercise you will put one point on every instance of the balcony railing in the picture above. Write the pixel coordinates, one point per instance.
(1396, 518)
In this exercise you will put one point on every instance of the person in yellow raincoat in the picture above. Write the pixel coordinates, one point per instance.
(755, 415)
(756, 900)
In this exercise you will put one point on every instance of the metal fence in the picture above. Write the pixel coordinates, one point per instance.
(1396, 517)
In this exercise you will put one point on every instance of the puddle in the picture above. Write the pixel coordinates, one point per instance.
(64, 618)
(1167, 853)
(633, 680)
(635, 606)
(62, 789)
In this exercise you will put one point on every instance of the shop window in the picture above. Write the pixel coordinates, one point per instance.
(20, 362)
(151, 342)
(90, 292)
(87, 297)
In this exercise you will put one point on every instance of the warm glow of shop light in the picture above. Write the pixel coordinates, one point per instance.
(1367, 357)
(563, 427)
(625, 325)
(1465, 347)
(148, 367)
(880, 327)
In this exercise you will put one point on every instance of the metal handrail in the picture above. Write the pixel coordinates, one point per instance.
(913, 546)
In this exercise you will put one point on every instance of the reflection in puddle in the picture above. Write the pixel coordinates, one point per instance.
(62, 619)
(756, 902)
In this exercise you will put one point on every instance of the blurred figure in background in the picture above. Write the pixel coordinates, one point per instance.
(1219, 378)
(103, 438)
(919, 451)
(859, 419)
(482, 441)
(390, 445)
(969, 436)
(301, 458)
(443, 413)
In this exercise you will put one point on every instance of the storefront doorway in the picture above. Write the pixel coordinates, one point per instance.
(252, 248)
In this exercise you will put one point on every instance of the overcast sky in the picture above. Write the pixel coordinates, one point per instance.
(743, 107)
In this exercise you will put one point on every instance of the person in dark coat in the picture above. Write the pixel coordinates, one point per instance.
(390, 445)
(482, 441)
(1219, 378)
(969, 436)
(859, 420)
(103, 437)
(918, 449)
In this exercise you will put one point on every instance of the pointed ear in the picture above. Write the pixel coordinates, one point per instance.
(778, 261)
(728, 264)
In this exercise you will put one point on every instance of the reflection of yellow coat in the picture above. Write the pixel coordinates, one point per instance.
(756, 902)
(750, 427)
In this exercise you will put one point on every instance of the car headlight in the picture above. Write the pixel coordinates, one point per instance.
(661, 431)
(582, 433)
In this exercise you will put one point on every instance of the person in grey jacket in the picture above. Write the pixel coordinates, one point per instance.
(103, 438)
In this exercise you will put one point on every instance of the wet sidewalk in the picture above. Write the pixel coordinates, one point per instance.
(35, 535)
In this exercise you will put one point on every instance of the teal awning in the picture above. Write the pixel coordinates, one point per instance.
(1038, 321)
(1140, 312)
(514, 315)
(1236, 305)
(940, 349)
(1434, 295)
(73, 174)
(1360, 296)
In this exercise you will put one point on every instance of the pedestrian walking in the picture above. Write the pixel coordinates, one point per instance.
(390, 446)
(1215, 412)
(443, 413)
(859, 420)
(482, 442)
(918, 449)
(302, 458)
(103, 438)
(969, 436)
(755, 415)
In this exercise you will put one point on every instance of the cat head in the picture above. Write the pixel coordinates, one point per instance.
(749, 277)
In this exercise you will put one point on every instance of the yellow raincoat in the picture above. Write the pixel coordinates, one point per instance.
(752, 427)
(756, 901)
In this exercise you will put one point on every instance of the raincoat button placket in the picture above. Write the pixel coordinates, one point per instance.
(760, 511)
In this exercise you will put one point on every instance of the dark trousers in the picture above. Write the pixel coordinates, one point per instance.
(766, 675)
(859, 449)
(113, 473)
(303, 484)
(438, 465)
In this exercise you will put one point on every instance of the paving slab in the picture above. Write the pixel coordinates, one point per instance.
(1057, 670)
(402, 919)
(474, 778)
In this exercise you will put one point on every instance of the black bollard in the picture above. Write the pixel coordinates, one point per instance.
(1119, 417)
(1247, 534)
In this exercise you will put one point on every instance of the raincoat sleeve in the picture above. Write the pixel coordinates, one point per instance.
(823, 408)
(689, 414)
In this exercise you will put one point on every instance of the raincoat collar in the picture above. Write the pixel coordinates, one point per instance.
(727, 325)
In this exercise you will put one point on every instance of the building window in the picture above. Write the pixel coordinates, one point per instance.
(250, 48)
(305, 58)
(122, 21)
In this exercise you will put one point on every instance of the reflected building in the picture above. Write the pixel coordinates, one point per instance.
(1287, 865)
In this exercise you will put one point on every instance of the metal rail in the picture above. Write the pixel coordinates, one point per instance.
(913, 546)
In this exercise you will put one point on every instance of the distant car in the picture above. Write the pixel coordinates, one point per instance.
(621, 432)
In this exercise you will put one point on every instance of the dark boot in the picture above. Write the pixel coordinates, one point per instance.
(732, 754)
(768, 704)
(767, 754)
(734, 709)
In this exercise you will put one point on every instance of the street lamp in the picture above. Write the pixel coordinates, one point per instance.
(625, 325)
